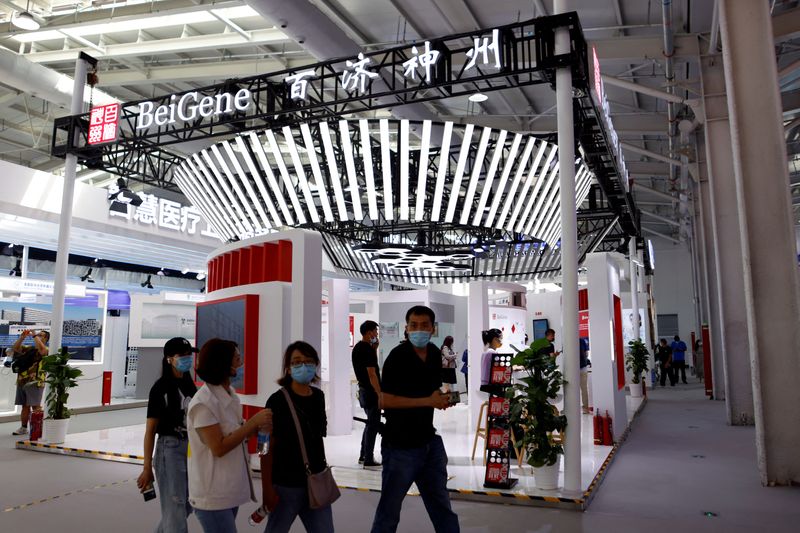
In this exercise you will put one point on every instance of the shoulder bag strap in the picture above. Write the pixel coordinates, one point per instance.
(297, 427)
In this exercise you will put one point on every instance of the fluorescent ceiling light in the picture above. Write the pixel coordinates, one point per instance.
(476, 172)
(422, 177)
(404, 158)
(455, 189)
(25, 21)
(386, 167)
(350, 166)
(512, 154)
(478, 97)
(444, 162)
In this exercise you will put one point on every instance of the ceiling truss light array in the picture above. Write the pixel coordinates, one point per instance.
(371, 173)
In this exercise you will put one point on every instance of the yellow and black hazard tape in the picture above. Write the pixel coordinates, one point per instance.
(64, 495)
(79, 452)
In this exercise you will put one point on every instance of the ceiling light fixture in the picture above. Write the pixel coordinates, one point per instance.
(201, 276)
(478, 97)
(124, 195)
(161, 272)
(87, 278)
(184, 271)
(146, 283)
(17, 270)
(25, 20)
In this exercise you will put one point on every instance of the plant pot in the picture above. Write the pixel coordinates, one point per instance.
(636, 390)
(55, 431)
(546, 477)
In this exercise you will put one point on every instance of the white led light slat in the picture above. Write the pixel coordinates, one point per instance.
(333, 169)
(300, 172)
(386, 170)
(195, 178)
(501, 187)
(533, 176)
(202, 201)
(489, 181)
(350, 166)
(422, 177)
(242, 205)
(223, 198)
(476, 172)
(369, 175)
(284, 172)
(549, 180)
(322, 190)
(511, 196)
(262, 189)
(463, 157)
(402, 148)
(441, 176)
(255, 143)
(251, 199)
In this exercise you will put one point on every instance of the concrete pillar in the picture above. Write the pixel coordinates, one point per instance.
(728, 246)
(340, 417)
(633, 257)
(772, 293)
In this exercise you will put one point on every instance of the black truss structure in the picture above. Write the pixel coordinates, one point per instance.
(528, 58)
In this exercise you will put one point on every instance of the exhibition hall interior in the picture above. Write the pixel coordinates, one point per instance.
(542, 256)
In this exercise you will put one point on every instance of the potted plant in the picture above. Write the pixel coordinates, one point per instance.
(531, 411)
(59, 377)
(636, 363)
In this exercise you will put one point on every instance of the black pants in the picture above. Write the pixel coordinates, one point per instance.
(369, 402)
(667, 373)
(679, 366)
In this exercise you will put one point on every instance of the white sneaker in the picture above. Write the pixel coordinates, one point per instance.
(21, 431)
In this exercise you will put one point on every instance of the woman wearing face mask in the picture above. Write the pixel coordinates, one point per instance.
(166, 417)
(219, 474)
(492, 341)
(448, 364)
(283, 472)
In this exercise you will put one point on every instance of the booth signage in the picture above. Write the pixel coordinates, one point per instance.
(605, 107)
(191, 106)
(38, 286)
(103, 124)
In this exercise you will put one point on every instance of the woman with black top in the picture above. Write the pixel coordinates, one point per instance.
(283, 473)
(166, 417)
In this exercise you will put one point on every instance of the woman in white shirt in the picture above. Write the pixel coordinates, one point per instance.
(448, 364)
(492, 340)
(219, 474)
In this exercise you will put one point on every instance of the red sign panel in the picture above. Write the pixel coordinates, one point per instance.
(499, 406)
(583, 324)
(103, 124)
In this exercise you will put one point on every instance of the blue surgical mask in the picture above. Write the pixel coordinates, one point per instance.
(184, 363)
(304, 374)
(419, 339)
(239, 374)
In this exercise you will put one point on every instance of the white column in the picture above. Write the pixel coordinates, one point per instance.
(477, 321)
(634, 287)
(569, 261)
(25, 259)
(65, 219)
(340, 415)
(769, 254)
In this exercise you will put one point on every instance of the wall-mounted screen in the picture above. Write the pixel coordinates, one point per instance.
(540, 326)
(234, 319)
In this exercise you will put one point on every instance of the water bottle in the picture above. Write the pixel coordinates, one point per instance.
(258, 516)
(263, 443)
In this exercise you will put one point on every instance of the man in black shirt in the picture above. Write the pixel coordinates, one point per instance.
(365, 365)
(412, 451)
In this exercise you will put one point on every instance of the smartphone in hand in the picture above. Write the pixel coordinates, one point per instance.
(149, 493)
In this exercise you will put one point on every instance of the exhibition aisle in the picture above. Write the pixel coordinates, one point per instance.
(124, 444)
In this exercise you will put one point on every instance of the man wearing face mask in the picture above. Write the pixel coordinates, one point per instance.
(368, 374)
(412, 451)
(166, 417)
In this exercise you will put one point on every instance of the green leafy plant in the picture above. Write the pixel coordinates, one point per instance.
(531, 409)
(636, 360)
(60, 377)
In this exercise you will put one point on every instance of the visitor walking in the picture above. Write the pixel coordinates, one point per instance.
(412, 451)
(583, 344)
(448, 364)
(284, 472)
(664, 358)
(365, 365)
(679, 359)
(219, 473)
(166, 417)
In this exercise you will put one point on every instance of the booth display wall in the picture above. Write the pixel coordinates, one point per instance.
(116, 351)
(672, 287)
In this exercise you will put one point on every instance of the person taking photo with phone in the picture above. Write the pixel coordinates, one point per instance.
(30, 379)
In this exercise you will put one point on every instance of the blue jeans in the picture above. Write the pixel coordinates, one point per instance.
(372, 409)
(293, 502)
(427, 467)
(222, 521)
(173, 484)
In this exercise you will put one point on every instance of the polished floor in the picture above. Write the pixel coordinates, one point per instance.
(466, 475)
(680, 462)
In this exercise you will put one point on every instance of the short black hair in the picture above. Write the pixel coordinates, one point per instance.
(304, 348)
(421, 310)
(367, 326)
(663, 340)
(491, 334)
(677, 338)
(215, 359)
(549, 332)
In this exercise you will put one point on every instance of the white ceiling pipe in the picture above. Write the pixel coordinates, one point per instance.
(660, 218)
(303, 22)
(652, 155)
(658, 234)
(656, 192)
(643, 89)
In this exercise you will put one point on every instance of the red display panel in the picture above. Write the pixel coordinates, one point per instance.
(619, 349)
(235, 319)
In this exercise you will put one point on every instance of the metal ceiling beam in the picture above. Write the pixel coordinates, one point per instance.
(636, 49)
(786, 25)
(122, 13)
(660, 218)
(661, 194)
(161, 46)
(648, 153)
(639, 124)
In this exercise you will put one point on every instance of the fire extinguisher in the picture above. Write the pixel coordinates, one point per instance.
(598, 428)
(36, 425)
(608, 430)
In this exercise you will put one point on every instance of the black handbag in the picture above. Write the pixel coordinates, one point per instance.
(322, 489)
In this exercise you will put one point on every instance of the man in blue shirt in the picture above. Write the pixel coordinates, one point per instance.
(679, 359)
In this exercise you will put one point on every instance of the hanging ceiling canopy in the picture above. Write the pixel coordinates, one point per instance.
(393, 199)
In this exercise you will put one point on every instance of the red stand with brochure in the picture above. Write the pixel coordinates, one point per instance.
(498, 431)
